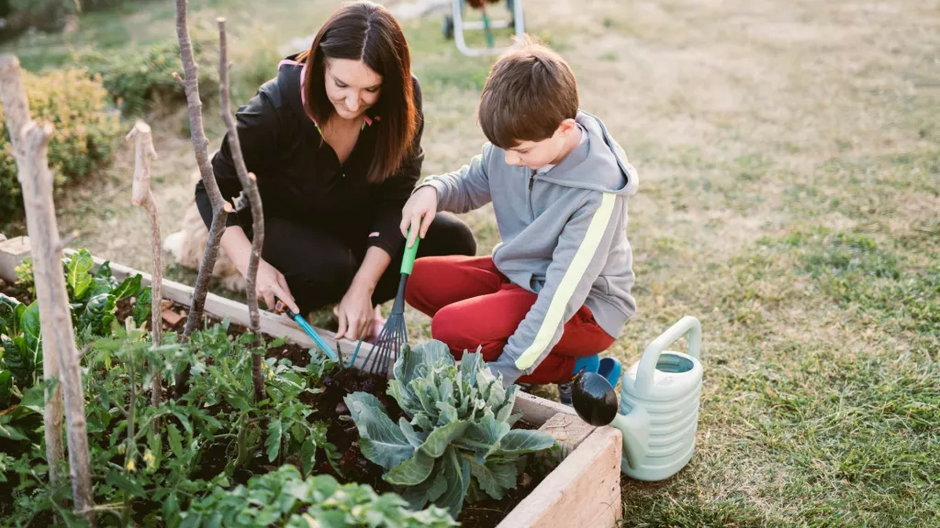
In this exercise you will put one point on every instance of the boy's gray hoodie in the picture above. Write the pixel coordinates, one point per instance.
(563, 237)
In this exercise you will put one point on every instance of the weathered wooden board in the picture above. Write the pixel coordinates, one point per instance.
(582, 492)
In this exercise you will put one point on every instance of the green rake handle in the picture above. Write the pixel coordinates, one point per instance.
(407, 264)
(408, 260)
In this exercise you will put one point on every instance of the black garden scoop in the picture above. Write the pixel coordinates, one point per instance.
(594, 398)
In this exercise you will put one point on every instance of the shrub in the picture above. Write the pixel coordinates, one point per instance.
(46, 15)
(140, 79)
(76, 105)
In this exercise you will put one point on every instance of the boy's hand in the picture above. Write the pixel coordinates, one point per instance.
(418, 213)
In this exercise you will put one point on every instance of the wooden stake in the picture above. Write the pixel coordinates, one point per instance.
(142, 196)
(17, 115)
(58, 337)
(250, 188)
(220, 208)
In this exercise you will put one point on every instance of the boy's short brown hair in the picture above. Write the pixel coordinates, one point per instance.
(529, 92)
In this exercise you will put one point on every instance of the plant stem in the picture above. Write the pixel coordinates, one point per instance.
(130, 447)
(143, 196)
(250, 187)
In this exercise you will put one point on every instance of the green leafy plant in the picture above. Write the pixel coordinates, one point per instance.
(77, 107)
(276, 429)
(284, 498)
(457, 442)
(94, 295)
(20, 339)
(21, 396)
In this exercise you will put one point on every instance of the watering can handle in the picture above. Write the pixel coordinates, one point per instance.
(688, 325)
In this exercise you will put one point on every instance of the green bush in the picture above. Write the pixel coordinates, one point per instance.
(140, 79)
(46, 15)
(85, 129)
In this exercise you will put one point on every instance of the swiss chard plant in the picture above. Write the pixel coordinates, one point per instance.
(94, 294)
(284, 498)
(19, 339)
(93, 298)
(21, 397)
(456, 440)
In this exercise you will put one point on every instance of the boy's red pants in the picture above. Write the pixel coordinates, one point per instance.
(472, 304)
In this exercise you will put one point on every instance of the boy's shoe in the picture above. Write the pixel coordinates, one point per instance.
(588, 363)
(611, 369)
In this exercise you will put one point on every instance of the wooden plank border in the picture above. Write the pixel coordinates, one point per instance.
(582, 492)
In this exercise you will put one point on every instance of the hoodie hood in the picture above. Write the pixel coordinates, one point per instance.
(598, 164)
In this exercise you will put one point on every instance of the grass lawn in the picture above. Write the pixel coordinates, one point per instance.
(789, 197)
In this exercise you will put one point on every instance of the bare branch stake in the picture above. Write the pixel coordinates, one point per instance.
(250, 187)
(31, 143)
(17, 115)
(142, 196)
(200, 146)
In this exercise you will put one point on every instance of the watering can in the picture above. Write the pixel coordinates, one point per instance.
(659, 401)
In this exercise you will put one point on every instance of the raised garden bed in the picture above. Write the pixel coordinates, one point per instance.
(583, 490)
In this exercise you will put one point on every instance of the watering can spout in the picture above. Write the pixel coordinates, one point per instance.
(635, 428)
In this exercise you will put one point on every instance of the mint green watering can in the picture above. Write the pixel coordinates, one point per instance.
(659, 402)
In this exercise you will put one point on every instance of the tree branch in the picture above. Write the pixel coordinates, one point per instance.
(58, 336)
(142, 196)
(200, 146)
(250, 187)
(17, 115)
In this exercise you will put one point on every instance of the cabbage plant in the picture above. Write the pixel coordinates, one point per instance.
(455, 440)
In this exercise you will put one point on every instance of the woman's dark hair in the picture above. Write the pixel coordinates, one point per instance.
(368, 32)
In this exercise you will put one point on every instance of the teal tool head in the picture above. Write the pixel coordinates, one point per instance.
(309, 330)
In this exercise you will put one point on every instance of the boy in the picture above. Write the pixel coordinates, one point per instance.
(556, 291)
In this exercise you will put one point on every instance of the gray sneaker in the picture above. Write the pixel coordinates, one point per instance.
(564, 393)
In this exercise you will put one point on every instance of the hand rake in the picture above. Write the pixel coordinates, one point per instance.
(394, 334)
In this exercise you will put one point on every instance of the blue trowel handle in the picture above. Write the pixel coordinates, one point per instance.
(305, 326)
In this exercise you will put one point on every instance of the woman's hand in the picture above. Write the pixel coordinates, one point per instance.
(418, 213)
(355, 314)
(270, 283)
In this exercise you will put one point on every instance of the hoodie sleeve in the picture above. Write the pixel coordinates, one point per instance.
(578, 259)
(257, 125)
(465, 189)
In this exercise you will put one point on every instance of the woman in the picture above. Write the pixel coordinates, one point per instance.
(334, 141)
